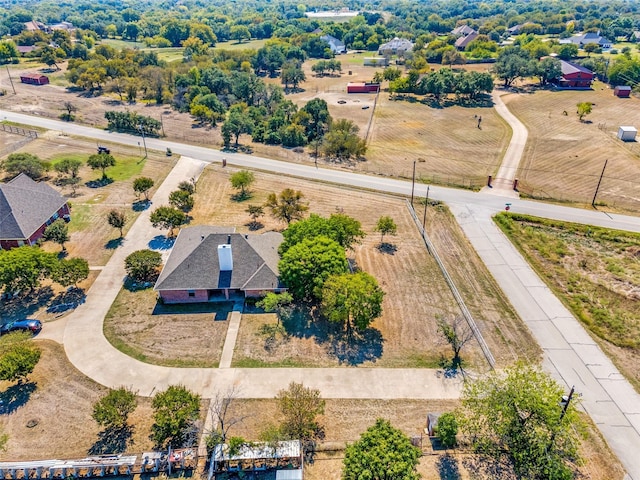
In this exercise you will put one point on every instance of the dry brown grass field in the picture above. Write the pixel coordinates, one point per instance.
(345, 420)
(59, 399)
(564, 157)
(177, 336)
(454, 150)
(416, 291)
(91, 236)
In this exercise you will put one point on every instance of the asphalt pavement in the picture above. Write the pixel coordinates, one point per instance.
(570, 353)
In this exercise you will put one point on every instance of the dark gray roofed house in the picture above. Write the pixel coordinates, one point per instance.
(336, 46)
(462, 42)
(462, 31)
(26, 209)
(582, 40)
(397, 46)
(211, 262)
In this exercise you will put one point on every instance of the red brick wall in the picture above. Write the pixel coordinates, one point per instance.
(182, 296)
(7, 244)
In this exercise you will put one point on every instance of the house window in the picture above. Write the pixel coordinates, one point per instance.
(55, 216)
(20, 243)
(191, 293)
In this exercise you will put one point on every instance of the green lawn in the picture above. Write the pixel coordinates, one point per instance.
(119, 43)
(125, 167)
(233, 45)
(80, 218)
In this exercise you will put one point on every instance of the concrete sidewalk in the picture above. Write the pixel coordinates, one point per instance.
(570, 354)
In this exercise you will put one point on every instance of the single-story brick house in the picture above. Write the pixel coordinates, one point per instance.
(26, 209)
(210, 262)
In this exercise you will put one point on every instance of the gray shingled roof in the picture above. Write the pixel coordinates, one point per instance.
(25, 206)
(193, 263)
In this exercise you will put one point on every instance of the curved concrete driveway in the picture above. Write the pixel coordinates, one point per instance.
(570, 354)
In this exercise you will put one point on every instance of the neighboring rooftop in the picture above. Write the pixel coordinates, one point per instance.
(26, 205)
(463, 30)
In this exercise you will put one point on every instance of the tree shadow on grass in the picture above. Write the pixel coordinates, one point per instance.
(21, 306)
(16, 396)
(114, 243)
(451, 368)
(112, 440)
(486, 466)
(101, 182)
(241, 196)
(365, 346)
(253, 226)
(388, 248)
(448, 468)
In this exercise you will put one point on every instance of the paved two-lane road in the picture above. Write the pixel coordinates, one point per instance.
(570, 354)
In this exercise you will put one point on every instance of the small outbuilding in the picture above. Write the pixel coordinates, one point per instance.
(622, 91)
(34, 79)
(627, 134)
(363, 87)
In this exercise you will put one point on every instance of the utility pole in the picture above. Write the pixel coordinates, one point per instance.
(593, 202)
(413, 181)
(143, 141)
(11, 80)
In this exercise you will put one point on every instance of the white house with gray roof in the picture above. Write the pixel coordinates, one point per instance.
(210, 262)
(26, 209)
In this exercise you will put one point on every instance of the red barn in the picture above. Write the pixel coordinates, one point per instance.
(34, 79)
(622, 91)
(575, 76)
(362, 87)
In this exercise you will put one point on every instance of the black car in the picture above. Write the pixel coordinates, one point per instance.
(26, 325)
(103, 150)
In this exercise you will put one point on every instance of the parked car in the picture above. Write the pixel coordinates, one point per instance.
(102, 149)
(26, 325)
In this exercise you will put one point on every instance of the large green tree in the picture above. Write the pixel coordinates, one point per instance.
(143, 265)
(242, 180)
(24, 268)
(306, 266)
(70, 271)
(26, 163)
(57, 232)
(342, 228)
(68, 166)
(18, 356)
(300, 407)
(287, 206)
(101, 161)
(513, 63)
(518, 412)
(181, 200)
(168, 217)
(342, 142)
(113, 409)
(175, 412)
(142, 185)
(353, 300)
(382, 453)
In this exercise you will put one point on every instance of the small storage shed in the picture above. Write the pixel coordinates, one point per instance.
(363, 87)
(623, 91)
(34, 79)
(627, 134)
